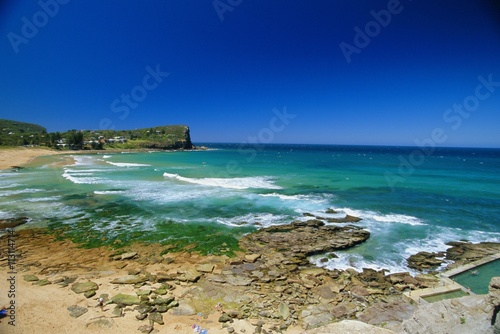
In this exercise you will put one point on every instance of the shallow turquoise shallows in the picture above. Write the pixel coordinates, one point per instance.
(478, 279)
(410, 200)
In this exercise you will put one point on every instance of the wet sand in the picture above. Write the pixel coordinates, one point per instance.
(19, 156)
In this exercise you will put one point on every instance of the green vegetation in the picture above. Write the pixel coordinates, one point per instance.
(13, 133)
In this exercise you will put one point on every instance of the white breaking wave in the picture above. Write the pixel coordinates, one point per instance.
(82, 160)
(126, 164)
(81, 180)
(261, 219)
(311, 198)
(258, 182)
(20, 191)
(382, 218)
(108, 192)
(358, 262)
(44, 199)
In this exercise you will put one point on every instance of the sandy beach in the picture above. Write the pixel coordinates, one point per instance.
(41, 308)
(20, 156)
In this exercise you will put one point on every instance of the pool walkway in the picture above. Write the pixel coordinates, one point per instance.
(446, 284)
(469, 266)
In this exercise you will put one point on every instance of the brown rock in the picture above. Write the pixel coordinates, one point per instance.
(301, 239)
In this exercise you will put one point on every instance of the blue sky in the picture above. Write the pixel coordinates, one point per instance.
(226, 68)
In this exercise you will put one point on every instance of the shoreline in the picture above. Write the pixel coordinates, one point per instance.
(272, 291)
(269, 286)
(11, 157)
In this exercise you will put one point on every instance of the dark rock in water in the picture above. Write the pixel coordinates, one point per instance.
(465, 252)
(12, 222)
(75, 311)
(304, 238)
(346, 219)
(424, 261)
(331, 211)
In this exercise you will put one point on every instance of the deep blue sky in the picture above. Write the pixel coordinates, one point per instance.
(226, 76)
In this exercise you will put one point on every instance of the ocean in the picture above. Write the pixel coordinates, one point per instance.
(410, 199)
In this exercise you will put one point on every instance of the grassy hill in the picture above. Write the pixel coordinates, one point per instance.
(13, 133)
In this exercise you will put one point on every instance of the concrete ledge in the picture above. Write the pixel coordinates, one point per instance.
(469, 266)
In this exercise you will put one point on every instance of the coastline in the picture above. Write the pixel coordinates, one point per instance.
(269, 292)
(270, 282)
(20, 156)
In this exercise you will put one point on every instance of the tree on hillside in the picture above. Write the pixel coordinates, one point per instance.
(75, 140)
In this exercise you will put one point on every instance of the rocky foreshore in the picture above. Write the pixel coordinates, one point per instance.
(271, 287)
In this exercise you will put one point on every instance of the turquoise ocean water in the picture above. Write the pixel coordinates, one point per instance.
(408, 200)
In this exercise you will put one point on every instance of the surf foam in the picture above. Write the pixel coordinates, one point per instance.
(257, 182)
(127, 164)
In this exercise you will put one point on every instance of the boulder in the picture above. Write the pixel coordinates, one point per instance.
(225, 318)
(76, 311)
(12, 222)
(190, 275)
(465, 252)
(156, 317)
(30, 278)
(82, 287)
(130, 279)
(299, 239)
(252, 257)
(284, 311)
(127, 256)
(205, 268)
(124, 299)
(145, 329)
(346, 219)
(425, 261)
